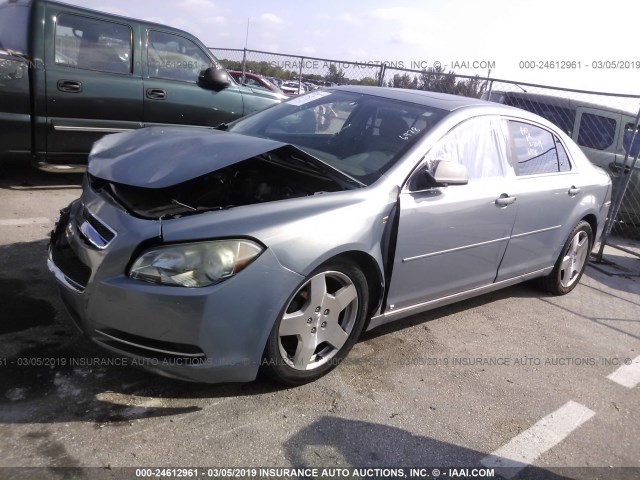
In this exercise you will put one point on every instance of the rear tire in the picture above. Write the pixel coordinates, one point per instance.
(572, 261)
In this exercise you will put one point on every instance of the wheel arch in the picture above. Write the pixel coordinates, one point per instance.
(592, 220)
(371, 270)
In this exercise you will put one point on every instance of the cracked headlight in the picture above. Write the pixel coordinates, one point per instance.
(195, 264)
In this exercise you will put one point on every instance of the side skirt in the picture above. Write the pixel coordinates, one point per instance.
(391, 316)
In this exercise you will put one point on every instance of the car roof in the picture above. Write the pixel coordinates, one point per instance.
(443, 101)
(449, 103)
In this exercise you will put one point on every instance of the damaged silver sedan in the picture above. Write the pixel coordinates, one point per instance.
(271, 243)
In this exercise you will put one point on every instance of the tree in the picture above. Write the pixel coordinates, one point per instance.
(366, 81)
(335, 75)
(404, 81)
(435, 79)
(471, 87)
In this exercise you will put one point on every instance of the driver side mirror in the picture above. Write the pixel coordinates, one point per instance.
(450, 173)
(445, 173)
(215, 78)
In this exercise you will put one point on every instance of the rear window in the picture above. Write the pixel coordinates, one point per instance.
(14, 25)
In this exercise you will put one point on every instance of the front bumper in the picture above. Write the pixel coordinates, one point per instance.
(210, 334)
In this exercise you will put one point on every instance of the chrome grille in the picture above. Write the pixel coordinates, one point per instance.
(94, 230)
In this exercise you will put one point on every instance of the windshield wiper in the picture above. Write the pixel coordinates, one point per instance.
(173, 200)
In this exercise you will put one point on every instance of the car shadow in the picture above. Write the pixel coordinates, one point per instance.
(612, 323)
(21, 175)
(53, 373)
(523, 290)
(343, 443)
(618, 272)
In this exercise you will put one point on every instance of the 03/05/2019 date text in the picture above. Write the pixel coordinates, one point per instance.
(578, 65)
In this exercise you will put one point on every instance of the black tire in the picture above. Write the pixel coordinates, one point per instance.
(571, 262)
(305, 341)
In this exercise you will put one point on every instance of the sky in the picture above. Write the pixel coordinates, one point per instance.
(460, 34)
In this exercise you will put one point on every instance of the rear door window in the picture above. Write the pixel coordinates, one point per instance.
(536, 150)
(93, 44)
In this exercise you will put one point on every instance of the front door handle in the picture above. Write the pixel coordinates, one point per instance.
(504, 200)
(156, 93)
(573, 191)
(70, 86)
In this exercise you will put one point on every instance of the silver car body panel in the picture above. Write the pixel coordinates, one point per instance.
(142, 158)
(451, 243)
(464, 246)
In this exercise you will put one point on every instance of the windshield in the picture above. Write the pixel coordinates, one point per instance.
(360, 135)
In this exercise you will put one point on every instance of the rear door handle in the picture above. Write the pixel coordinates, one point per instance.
(156, 93)
(573, 191)
(70, 86)
(504, 200)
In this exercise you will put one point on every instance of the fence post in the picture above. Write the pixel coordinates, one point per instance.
(623, 182)
(244, 64)
(300, 76)
(381, 75)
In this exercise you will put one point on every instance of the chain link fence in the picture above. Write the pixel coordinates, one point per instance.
(309, 71)
(605, 126)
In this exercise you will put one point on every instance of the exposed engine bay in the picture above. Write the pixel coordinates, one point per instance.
(267, 177)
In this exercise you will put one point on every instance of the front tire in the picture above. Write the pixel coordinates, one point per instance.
(319, 324)
(572, 261)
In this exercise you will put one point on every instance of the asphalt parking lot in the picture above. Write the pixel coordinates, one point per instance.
(517, 372)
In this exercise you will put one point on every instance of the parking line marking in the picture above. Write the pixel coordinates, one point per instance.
(21, 222)
(627, 375)
(523, 449)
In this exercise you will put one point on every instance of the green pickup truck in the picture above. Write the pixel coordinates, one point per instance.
(69, 75)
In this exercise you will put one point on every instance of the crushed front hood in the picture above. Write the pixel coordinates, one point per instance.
(171, 172)
(159, 157)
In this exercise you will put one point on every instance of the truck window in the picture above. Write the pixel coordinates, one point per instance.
(174, 57)
(92, 44)
(596, 131)
(628, 136)
(14, 27)
(560, 116)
